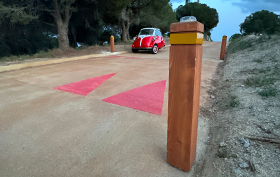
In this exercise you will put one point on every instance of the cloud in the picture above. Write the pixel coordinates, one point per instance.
(251, 6)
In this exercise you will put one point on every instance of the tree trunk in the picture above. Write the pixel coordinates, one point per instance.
(62, 15)
(62, 35)
(125, 31)
(125, 22)
(74, 35)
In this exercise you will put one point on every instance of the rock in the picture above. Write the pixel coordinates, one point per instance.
(212, 96)
(252, 166)
(244, 142)
(244, 165)
(237, 171)
(277, 123)
(242, 86)
(223, 144)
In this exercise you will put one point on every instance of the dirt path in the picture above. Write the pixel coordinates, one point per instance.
(47, 132)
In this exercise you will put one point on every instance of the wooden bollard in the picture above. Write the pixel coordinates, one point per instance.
(223, 48)
(185, 61)
(112, 44)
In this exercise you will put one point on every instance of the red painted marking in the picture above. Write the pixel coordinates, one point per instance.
(132, 57)
(113, 56)
(148, 98)
(84, 87)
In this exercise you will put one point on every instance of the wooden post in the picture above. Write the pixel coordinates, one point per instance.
(112, 44)
(185, 61)
(223, 48)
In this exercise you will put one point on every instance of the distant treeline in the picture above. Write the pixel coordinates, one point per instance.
(29, 26)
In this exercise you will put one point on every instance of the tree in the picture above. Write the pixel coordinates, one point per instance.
(235, 36)
(21, 32)
(16, 14)
(158, 15)
(261, 22)
(203, 13)
(61, 11)
(140, 13)
(130, 13)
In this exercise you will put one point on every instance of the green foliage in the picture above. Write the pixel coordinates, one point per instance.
(259, 81)
(233, 102)
(203, 13)
(261, 22)
(235, 36)
(242, 43)
(258, 60)
(265, 79)
(238, 45)
(16, 14)
(28, 26)
(269, 91)
(40, 54)
(224, 152)
(158, 15)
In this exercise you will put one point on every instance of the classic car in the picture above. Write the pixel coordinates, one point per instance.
(148, 39)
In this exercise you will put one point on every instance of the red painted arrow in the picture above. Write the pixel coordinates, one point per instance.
(84, 87)
(148, 98)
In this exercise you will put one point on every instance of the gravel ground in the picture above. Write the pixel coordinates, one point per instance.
(244, 111)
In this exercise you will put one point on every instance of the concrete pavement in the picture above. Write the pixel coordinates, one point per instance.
(47, 132)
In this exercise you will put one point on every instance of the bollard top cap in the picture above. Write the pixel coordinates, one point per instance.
(188, 19)
(192, 26)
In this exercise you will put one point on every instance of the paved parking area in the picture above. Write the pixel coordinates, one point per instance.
(54, 132)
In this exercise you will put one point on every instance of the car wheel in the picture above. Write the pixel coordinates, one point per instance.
(155, 49)
(134, 50)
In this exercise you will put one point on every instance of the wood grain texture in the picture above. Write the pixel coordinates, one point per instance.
(186, 27)
(223, 48)
(183, 104)
(112, 44)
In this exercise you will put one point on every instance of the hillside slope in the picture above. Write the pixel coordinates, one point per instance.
(244, 112)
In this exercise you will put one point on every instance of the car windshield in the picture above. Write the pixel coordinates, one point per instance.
(146, 32)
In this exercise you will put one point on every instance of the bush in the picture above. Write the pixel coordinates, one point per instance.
(259, 81)
(235, 36)
(268, 91)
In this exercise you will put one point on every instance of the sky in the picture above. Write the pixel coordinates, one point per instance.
(233, 12)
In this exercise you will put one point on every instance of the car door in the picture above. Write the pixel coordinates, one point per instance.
(160, 41)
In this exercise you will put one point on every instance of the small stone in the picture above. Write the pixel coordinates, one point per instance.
(244, 165)
(237, 171)
(244, 142)
(212, 96)
(223, 144)
(242, 86)
(252, 166)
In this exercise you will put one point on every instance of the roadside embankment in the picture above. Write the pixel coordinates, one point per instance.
(244, 113)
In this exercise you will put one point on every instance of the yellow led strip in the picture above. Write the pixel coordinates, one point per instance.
(186, 38)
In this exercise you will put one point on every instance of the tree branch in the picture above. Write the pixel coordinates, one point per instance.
(265, 139)
(49, 24)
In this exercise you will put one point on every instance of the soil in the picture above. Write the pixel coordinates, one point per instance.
(73, 53)
(244, 138)
(244, 127)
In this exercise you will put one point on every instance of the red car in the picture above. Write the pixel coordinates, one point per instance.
(148, 39)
